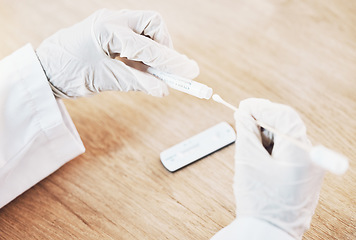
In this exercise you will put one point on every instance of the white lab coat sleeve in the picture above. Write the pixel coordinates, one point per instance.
(251, 229)
(37, 136)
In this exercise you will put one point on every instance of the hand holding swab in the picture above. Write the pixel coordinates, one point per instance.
(320, 155)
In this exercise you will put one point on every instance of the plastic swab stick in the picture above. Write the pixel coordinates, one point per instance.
(320, 155)
(218, 99)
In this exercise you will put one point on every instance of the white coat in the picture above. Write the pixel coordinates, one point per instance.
(37, 136)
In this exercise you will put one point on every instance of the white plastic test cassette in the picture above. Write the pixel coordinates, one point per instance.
(198, 146)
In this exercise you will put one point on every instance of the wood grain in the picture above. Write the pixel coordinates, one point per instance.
(300, 53)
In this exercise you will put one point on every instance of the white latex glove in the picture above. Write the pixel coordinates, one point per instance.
(79, 60)
(281, 188)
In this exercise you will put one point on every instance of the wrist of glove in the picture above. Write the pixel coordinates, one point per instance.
(283, 187)
(80, 60)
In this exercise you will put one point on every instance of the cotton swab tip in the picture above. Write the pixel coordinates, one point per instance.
(217, 98)
(329, 160)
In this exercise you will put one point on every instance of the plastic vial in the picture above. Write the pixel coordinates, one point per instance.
(183, 84)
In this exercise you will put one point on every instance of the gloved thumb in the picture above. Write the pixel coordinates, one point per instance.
(116, 75)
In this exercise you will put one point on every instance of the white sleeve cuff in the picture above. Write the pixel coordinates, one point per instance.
(251, 229)
(37, 136)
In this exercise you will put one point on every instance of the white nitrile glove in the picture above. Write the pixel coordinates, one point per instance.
(281, 188)
(80, 60)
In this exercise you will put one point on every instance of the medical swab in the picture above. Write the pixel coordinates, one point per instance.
(320, 155)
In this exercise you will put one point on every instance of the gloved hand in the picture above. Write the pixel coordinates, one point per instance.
(281, 188)
(80, 60)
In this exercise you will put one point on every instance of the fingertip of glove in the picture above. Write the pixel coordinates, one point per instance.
(236, 115)
(243, 118)
(250, 104)
(163, 91)
(153, 86)
(194, 69)
(188, 69)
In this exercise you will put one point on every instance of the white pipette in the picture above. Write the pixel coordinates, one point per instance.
(320, 155)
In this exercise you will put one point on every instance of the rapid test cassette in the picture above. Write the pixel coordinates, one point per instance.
(198, 146)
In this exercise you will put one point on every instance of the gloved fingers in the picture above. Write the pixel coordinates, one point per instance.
(251, 124)
(139, 48)
(261, 167)
(248, 139)
(116, 75)
(140, 36)
(275, 115)
(150, 24)
(146, 23)
(150, 84)
(280, 117)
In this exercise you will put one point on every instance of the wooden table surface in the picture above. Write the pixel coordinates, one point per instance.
(300, 53)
